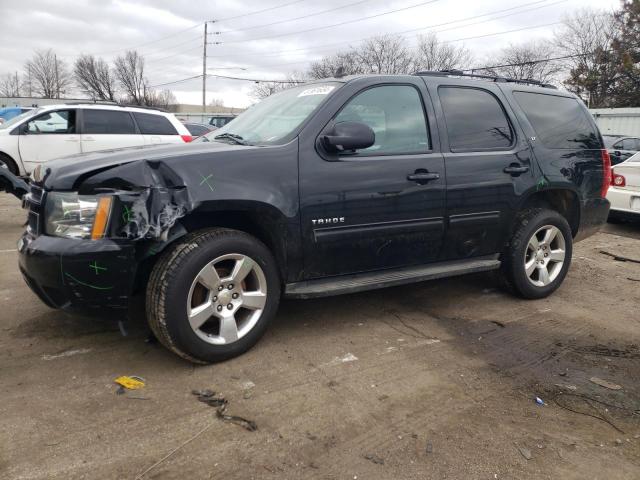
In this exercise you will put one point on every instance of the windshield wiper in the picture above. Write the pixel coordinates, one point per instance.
(231, 136)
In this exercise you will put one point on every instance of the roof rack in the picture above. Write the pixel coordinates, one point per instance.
(113, 104)
(91, 102)
(460, 73)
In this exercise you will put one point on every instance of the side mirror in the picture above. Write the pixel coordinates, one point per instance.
(24, 129)
(617, 153)
(348, 136)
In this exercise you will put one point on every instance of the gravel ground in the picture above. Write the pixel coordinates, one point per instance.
(433, 380)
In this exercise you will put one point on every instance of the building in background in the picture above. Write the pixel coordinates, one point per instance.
(618, 121)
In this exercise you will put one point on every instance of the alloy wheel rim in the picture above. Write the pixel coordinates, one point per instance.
(545, 255)
(226, 299)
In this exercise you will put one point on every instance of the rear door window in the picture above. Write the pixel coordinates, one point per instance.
(475, 120)
(108, 122)
(150, 124)
(559, 122)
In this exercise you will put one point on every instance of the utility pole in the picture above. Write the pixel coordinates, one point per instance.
(204, 70)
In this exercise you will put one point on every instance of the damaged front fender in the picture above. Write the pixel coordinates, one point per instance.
(150, 198)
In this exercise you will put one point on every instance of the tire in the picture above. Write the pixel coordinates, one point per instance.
(522, 255)
(185, 282)
(7, 161)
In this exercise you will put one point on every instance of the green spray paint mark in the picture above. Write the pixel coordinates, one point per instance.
(541, 184)
(95, 287)
(97, 268)
(206, 180)
(126, 215)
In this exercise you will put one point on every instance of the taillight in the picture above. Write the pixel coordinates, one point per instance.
(618, 180)
(606, 173)
(186, 138)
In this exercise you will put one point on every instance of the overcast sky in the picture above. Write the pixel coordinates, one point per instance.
(256, 42)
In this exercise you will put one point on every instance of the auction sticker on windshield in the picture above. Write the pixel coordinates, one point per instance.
(316, 91)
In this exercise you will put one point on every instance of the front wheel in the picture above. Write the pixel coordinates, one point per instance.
(212, 295)
(538, 255)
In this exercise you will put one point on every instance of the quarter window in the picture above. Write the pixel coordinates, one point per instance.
(107, 122)
(150, 124)
(559, 122)
(58, 122)
(395, 114)
(475, 120)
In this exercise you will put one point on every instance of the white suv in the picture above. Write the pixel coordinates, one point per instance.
(54, 131)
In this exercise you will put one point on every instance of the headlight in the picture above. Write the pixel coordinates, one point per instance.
(70, 215)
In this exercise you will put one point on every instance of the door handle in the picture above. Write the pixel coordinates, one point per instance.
(516, 169)
(422, 177)
(71, 139)
(88, 139)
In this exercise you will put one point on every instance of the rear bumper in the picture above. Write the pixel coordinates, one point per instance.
(623, 200)
(593, 215)
(88, 276)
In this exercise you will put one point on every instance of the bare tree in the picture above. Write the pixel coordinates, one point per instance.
(523, 62)
(431, 54)
(216, 102)
(48, 74)
(586, 37)
(386, 54)
(326, 67)
(129, 71)
(10, 85)
(160, 99)
(94, 77)
(264, 89)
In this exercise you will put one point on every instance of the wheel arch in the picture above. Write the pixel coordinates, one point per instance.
(262, 221)
(4, 155)
(563, 200)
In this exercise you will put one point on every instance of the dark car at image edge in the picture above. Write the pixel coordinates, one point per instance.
(331, 187)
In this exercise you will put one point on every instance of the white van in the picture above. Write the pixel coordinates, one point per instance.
(54, 131)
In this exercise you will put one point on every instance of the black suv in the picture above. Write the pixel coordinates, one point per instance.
(331, 187)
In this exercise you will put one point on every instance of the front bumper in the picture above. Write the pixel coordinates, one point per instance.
(85, 275)
(593, 215)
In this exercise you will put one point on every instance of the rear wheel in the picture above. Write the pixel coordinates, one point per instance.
(539, 253)
(213, 294)
(8, 163)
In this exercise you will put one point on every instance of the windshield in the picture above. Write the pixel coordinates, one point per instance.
(610, 140)
(15, 120)
(275, 117)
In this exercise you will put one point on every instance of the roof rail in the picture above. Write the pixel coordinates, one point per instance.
(460, 73)
(113, 104)
(91, 102)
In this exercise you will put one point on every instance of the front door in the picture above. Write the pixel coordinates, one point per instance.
(48, 136)
(380, 207)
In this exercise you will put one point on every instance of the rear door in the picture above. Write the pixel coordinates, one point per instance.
(156, 129)
(47, 136)
(375, 208)
(108, 129)
(488, 165)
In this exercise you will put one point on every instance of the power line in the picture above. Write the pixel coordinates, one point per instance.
(295, 18)
(149, 42)
(410, 30)
(260, 11)
(346, 22)
(447, 41)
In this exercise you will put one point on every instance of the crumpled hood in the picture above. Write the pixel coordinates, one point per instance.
(68, 172)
